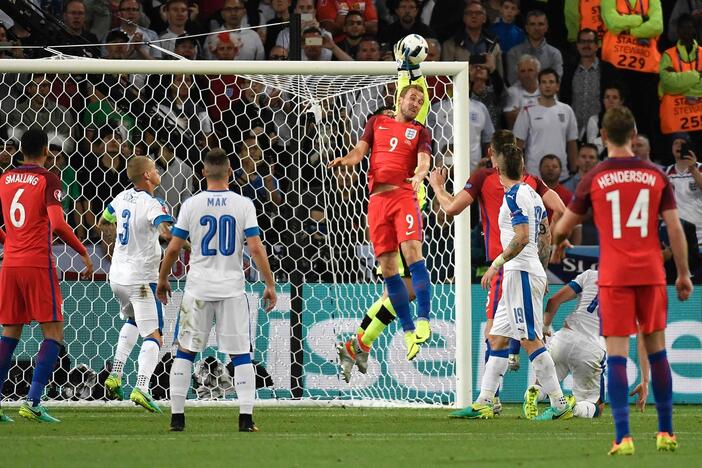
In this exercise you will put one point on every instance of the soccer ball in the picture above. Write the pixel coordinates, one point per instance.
(415, 48)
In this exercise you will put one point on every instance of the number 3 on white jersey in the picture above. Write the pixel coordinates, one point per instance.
(637, 218)
(17, 212)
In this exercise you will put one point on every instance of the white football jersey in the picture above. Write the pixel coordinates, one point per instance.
(585, 319)
(137, 251)
(217, 223)
(522, 205)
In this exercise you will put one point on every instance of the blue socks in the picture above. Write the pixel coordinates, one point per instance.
(46, 360)
(7, 348)
(399, 298)
(422, 288)
(514, 346)
(662, 390)
(618, 389)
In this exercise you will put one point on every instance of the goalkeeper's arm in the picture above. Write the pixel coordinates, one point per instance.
(408, 74)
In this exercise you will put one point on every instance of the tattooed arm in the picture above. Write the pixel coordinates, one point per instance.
(516, 245)
(544, 243)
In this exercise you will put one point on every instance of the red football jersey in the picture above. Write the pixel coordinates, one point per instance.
(626, 196)
(394, 148)
(485, 187)
(25, 194)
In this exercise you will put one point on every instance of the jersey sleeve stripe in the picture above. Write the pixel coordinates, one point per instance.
(178, 232)
(519, 219)
(110, 209)
(163, 219)
(575, 287)
(252, 232)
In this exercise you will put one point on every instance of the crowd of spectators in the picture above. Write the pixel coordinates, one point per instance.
(538, 68)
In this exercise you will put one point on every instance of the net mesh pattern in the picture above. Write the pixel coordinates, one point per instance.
(280, 131)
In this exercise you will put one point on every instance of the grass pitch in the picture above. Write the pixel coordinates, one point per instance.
(324, 437)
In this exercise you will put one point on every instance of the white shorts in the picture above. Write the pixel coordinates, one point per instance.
(231, 320)
(519, 313)
(575, 354)
(138, 302)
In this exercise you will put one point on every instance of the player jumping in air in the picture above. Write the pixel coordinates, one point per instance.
(485, 186)
(381, 313)
(522, 220)
(218, 222)
(577, 348)
(400, 158)
(626, 196)
(140, 219)
(29, 290)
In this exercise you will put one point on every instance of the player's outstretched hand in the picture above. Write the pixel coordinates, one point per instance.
(558, 251)
(163, 291)
(641, 392)
(487, 278)
(87, 273)
(270, 299)
(684, 287)
(336, 162)
(437, 177)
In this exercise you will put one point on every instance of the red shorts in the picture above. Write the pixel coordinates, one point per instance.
(393, 218)
(29, 293)
(494, 294)
(624, 310)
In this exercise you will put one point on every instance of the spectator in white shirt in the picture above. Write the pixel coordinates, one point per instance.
(233, 12)
(177, 17)
(548, 127)
(686, 179)
(524, 92)
(308, 11)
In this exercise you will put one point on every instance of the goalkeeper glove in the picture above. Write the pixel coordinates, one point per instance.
(403, 63)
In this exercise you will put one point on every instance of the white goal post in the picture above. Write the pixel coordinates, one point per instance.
(456, 71)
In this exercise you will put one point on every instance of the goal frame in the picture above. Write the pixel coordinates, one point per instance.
(458, 71)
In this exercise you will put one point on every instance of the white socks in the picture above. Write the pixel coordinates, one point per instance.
(584, 409)
(148, 358)
(128, 336)
(181, 371)
(245, 386)
(545, 371)
(492, 378)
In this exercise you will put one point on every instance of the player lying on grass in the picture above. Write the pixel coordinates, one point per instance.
(31, 197)
(523, 226)
(134, 221)
(218, 222)
(400, 158)
(485, 186)
(356, 350)
(627, 195)
(578, 349)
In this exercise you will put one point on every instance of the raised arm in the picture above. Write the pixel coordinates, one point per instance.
(452, 205)
(354, 157)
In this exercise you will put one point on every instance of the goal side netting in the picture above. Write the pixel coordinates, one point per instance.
(281, 123)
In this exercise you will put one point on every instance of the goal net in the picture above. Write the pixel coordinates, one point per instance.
(281, 123)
